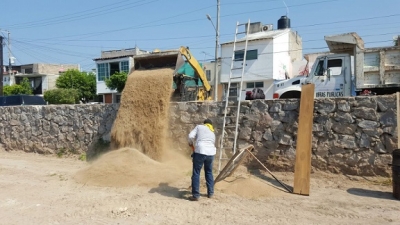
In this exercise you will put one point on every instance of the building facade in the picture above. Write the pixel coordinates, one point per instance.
(41, 76)
(270, 57)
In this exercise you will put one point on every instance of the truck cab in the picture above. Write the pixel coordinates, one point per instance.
(331, 74)
(348, 69)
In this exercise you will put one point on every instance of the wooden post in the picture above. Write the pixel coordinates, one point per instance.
(398, 118)
(302, 170)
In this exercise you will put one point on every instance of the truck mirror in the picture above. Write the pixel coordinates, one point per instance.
(325, 66)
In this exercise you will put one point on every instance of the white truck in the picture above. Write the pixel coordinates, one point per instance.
(348, 69)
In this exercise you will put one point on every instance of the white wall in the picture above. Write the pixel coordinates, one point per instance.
(101, 87)
(6, 80)
(273, 61)
(282, 62)
(259, 69)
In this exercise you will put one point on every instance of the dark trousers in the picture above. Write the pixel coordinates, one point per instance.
(198, 161)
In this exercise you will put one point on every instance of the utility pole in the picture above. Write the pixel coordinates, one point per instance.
(1, 65)
(10, 73)
(216, 54)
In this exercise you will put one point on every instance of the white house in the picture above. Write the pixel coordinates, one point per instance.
(270, 56)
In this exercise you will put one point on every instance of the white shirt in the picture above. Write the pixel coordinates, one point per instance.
(205, 140)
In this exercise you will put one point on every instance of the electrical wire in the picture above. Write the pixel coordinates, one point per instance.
(141, 26)
(84, 16)
(342, 21)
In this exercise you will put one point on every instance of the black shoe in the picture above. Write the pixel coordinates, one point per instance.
(210, 196)
(191, 198)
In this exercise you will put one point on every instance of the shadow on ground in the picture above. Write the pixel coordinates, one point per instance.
(371, 193)
(274, 183)
(166, 190)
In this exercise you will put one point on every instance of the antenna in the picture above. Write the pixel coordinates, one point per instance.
(287, 9)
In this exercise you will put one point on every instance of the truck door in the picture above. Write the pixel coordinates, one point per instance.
(330, 83)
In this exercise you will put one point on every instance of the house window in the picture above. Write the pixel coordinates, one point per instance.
(255, 85)
(114, 68)
(117, 98)
(103, 72)
(208, 75)
(250, 55)
(125, 66)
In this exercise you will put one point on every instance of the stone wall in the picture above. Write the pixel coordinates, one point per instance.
(350, 135)
(47, 129)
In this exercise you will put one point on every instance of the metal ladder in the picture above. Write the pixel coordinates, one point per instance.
(228, 107)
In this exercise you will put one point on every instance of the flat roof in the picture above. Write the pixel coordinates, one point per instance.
(261, 35)
(145, 55)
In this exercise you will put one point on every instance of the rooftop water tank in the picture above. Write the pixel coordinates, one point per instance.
(283, 23)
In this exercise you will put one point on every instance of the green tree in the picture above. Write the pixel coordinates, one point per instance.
(83, 82)
(24, 88)
(61, 96)
(117, 81)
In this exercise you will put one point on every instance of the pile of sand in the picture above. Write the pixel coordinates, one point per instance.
(248, 186)
(127, 167)
(142, 119)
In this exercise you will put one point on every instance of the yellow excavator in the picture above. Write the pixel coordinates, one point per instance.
(189, 85)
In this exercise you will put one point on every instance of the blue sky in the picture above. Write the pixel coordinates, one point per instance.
(51, 31)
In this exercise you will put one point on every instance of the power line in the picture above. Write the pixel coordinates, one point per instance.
(347, 21)
(187, 37)
(79, 54)
(141, 26)
(172, 38)
(65, 15)
(84, 16)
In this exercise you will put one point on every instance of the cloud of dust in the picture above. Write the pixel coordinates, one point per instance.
(142, 118)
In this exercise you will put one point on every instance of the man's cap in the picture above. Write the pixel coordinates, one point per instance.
(207, 121)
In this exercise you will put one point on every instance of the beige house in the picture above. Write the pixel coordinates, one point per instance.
(41, 76)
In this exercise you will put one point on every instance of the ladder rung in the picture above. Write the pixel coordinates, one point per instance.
(229, 137)
(236, 68)
(241, 24)
(230, 126)
(244, 32)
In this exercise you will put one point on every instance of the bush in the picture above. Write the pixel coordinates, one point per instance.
(23, 88)
(61, 96)
(84, 83)
(117, 81)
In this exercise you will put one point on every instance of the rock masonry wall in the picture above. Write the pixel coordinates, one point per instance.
(350, 135)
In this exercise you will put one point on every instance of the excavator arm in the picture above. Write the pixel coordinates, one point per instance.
(184, 51)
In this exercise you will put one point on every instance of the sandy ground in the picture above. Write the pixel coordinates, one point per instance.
(37, 189)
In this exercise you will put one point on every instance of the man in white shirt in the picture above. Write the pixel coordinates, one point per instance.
(202, 137)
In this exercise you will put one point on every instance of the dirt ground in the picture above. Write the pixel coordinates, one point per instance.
(37, 189)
